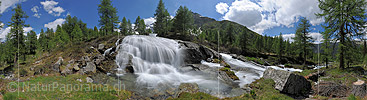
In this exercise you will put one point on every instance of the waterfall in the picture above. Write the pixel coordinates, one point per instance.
(154, 60)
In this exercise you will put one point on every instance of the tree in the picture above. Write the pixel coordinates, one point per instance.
(130, 28)
(95, 31)
(42, 40)
(140, 25)
(161, 16)
(108, 17)
(244, 41)
(343, 19)
(77, 33)
(183, 20)
(15, 36)
(280, 46)
(230, 34)
(62, 36)
(31, 42)
(302, 38)
(124, 28)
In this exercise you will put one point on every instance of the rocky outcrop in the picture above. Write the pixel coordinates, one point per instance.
(90, 68)
(188, 87)
(56, 66)
(288, 82)
(194, 53)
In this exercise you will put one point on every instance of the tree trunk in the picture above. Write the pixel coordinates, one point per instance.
(359, 88)
(341, 56)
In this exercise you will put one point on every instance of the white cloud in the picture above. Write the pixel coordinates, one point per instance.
(221, 7)
(261, 15)
(317, 37)
(5, 31)
(149, 22)
(244, 12)
(52, 8)
(54, 24)
(35, 9)
(5, 4)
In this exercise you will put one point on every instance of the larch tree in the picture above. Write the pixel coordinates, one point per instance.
(343, 19)
(16, 34)
(183, 21)
(124, 27)
(302, 38)
(108, 17)
(161, 16)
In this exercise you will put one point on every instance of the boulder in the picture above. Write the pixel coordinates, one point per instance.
(331, 89)
(90, 68)
(67, 70)
(56, 66)
(288, 82)
(89, 80)
(76, 67)
(195, 53)
(315, 76)
(101, 46)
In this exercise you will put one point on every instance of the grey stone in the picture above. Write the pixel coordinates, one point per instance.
(90, 68)
(56, 66)
(101, 46)
(288, 82)
(67, 70)
(89, 80)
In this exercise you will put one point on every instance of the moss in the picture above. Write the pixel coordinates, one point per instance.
(195, 96)
(263, 89)
(229, 73)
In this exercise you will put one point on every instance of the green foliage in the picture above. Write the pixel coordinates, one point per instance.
(77, 33)
(352, 97)
(302, 39)
(108, 17)
(124, 27)
(230, 73)
(140, 26)
(31, 42)
(162, 18)
(183, 21)
(344, 19)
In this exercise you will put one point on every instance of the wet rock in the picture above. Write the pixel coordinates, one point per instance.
(90, 68)
(227, 79)
(331, 89)
(195, 52)
(89, 80)
(188, 87)
(56, 66)
(288, 82)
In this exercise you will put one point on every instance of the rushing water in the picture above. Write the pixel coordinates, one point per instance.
(157, 61)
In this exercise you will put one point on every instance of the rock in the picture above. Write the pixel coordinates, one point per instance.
(331, 89)
(359, 88)
(188, 87)
(79, 80)
(67, 70)
(56, 66)
(90, 68)
(288, 82)
(101, 47)
(195, 53)
(84, 60)
(76, 67)
(314, 76)
(227, 79)
(89, 80)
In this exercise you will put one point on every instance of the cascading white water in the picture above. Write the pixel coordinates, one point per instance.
(154, 60)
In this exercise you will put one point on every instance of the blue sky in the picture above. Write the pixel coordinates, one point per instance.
(266, 17)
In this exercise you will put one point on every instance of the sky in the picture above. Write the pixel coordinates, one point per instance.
(266, 17)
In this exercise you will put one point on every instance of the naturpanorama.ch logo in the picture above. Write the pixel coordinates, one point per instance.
(55, 86)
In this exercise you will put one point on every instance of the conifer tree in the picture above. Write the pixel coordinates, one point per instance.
(344, 19)
(161, 16)
(183, 20)
(15, 36)
(302, 38)
(108, 17)
(124, 27)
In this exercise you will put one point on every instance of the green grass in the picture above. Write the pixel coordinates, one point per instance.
(256, 60)
(35, 89)
(194, 96)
